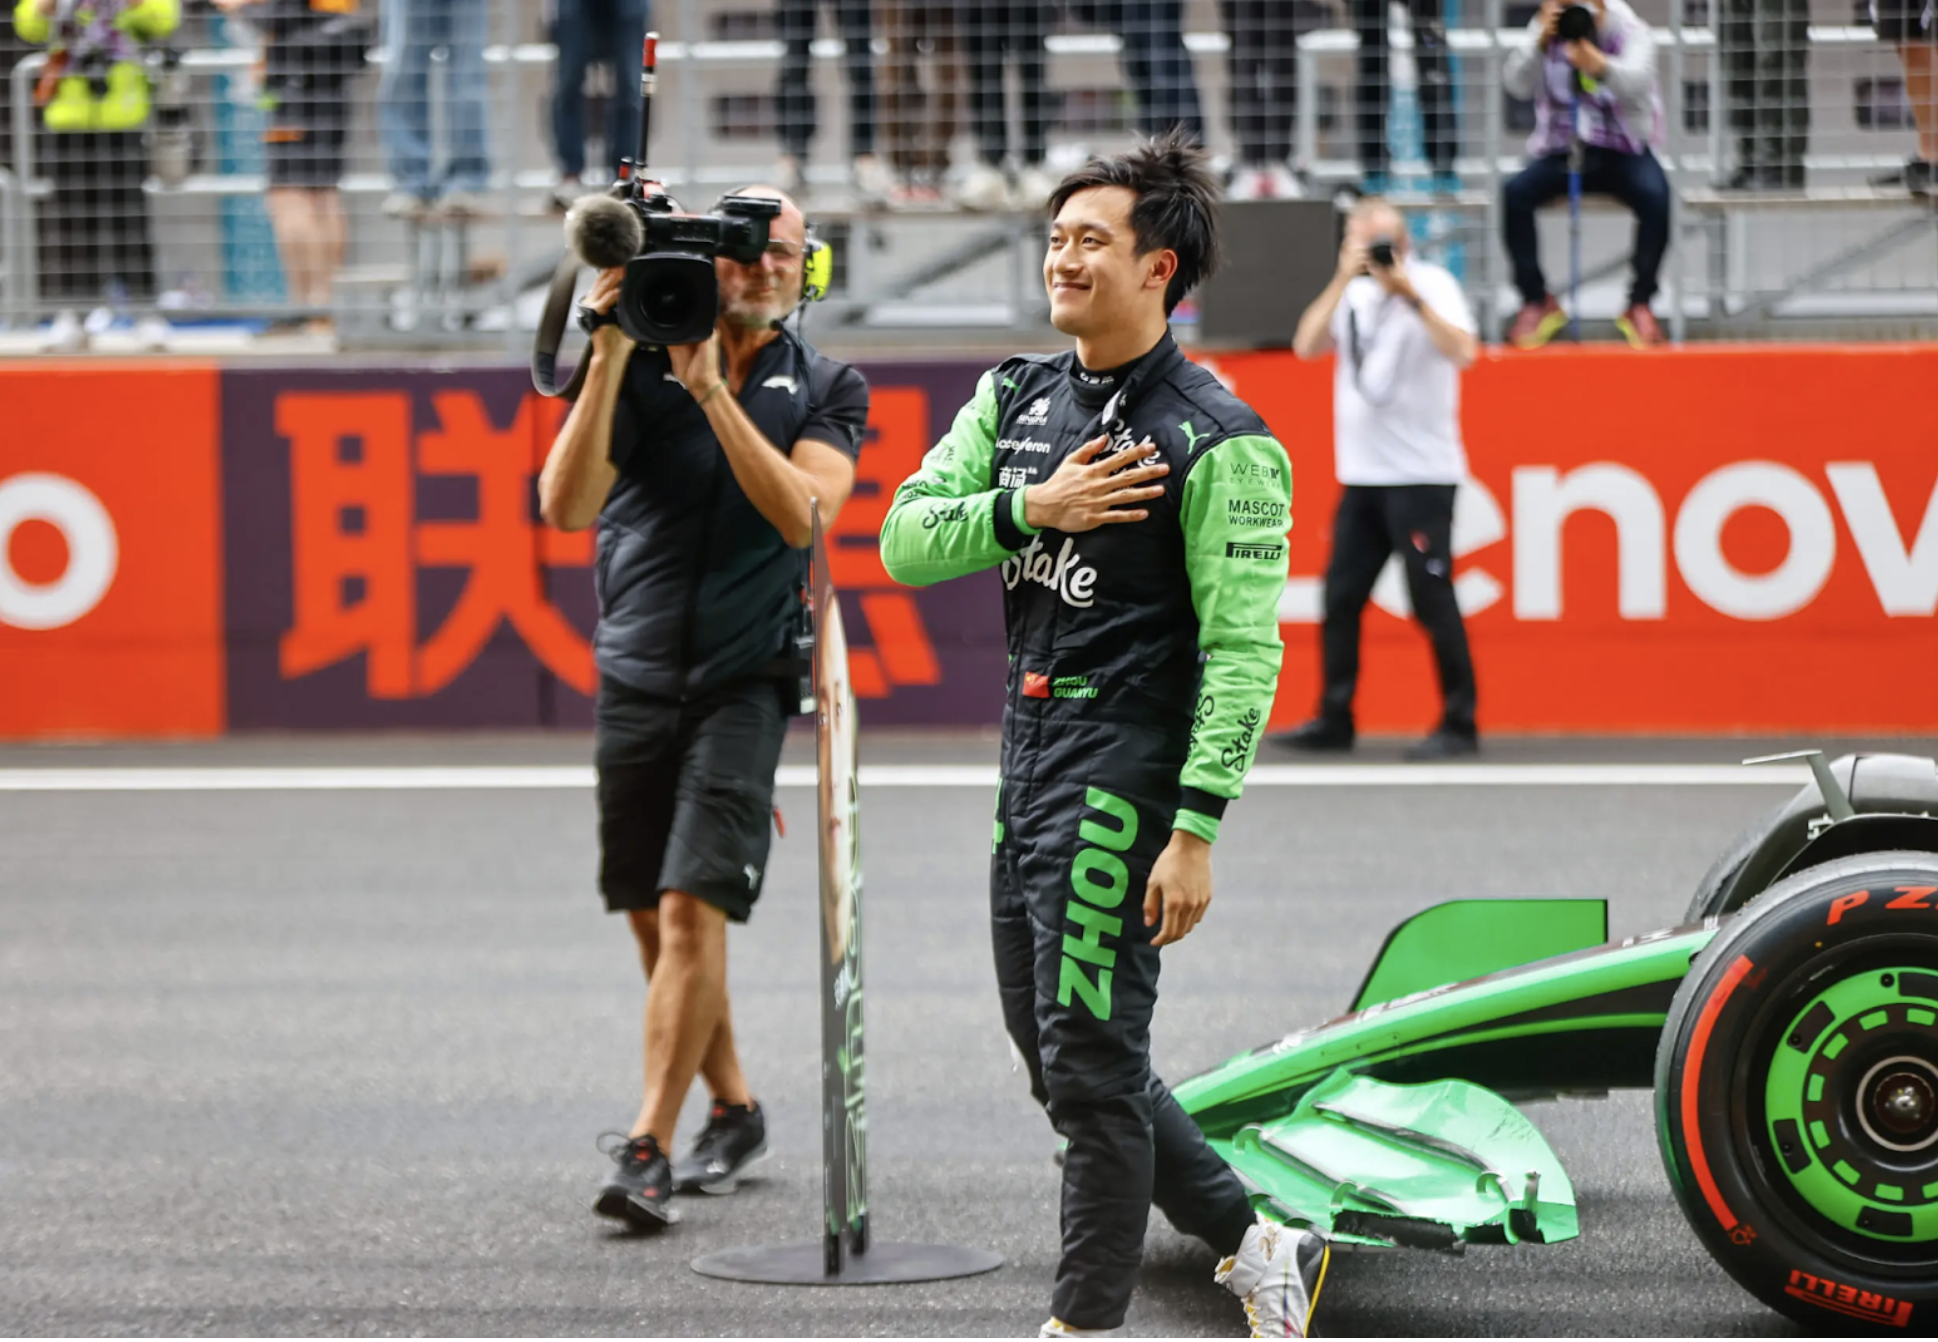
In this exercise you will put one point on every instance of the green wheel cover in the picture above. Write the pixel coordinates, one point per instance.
(1799, 1108)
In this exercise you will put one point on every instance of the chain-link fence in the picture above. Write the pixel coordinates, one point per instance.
(311, 174)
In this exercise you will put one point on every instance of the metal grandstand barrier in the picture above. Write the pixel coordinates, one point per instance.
(1776, 118)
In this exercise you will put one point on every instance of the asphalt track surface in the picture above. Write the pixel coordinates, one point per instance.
(333, 1062)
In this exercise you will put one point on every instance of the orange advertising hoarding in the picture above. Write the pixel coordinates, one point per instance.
(110, 551)
(1708, 540)
(1718, 539)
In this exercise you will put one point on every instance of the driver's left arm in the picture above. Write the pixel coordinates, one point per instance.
(821, 468)
(1236, 512)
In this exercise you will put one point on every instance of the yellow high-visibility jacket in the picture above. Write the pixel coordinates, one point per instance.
(123, 104)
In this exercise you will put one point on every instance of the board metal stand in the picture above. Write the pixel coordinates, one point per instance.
(844, 1255)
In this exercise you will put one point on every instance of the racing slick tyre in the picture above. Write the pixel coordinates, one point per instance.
(1797, 1095)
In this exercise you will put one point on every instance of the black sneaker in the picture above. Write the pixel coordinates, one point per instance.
(734, 1139)
(640, 1191)
(1445, 744)
(1916, 177)
(1318, 734)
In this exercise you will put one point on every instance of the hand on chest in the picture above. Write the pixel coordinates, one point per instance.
(1040, 433)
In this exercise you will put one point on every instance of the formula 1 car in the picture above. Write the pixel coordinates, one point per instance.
(1789, 1029)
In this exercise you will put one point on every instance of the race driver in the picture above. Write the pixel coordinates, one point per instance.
(1138, 513)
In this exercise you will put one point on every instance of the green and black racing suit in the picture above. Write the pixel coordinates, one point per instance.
(1143, 657)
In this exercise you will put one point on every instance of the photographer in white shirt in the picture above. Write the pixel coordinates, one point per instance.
(1402, 333)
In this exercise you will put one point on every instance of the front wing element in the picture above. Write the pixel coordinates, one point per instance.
(1428, 1166)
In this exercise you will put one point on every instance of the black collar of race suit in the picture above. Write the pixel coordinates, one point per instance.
(1095, 390)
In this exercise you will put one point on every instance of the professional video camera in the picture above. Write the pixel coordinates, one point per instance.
(670, 294)
(1574, 24)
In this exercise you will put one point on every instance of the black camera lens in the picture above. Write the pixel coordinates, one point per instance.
(1575, 23)
(669, 298)
(1381, 252)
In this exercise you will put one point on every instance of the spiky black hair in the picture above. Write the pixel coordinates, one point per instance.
(1176, 206)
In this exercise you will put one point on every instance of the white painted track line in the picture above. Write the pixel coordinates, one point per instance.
(492, 777)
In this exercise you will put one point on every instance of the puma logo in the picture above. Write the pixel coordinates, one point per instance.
(1191, 437)
(785, 383)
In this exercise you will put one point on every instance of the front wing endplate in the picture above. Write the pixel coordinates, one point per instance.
(1430, 1166)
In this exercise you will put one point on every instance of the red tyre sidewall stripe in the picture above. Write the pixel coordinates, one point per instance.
(1692, 1091)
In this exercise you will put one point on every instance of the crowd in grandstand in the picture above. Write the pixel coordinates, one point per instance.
(919, 75)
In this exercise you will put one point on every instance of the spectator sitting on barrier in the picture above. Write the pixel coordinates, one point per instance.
(1602, 86)
(412, 31)
(585, 32)
(855, 18)
(312, 49)
(991, 31)
(95, 245)
(1402, 334)
(700, 462)
(1913, 26)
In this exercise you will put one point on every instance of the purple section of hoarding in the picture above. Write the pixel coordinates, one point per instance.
(376, 586)
(264, 414)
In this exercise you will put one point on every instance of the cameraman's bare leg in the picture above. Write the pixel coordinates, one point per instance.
(1921, 91)
(720, 1066)
(686, 1001)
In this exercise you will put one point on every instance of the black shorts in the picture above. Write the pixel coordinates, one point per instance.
(686, 794)
(303, 142)
(1903, 22)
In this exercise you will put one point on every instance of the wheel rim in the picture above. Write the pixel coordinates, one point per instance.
(1851, 1105)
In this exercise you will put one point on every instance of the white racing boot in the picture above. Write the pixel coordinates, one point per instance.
(1277, 1272)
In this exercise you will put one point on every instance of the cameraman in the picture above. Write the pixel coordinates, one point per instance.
(1403, 335)
(1600, 86)
(700, 463)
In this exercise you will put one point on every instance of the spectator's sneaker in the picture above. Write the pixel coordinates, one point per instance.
(1281, 183)
(153, 333)
(985, 189)
(733, 1141)
(1058, 1328)
(99, 322)
(65, 335)
(1319, 734)
(1921, 177)
(567, 193)
(1760, 178)
(1640, 328)
(1033, 188)
(1248, 183)
(405, 205)
(1537, 323)
(874, 183)
(462, 205)
(1277, 1272)
(1445, 744)
(640, 1190)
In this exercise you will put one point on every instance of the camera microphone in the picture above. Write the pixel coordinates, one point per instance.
(603, 232)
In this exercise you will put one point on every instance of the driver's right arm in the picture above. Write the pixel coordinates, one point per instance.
(578, 471)
(946, 519)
